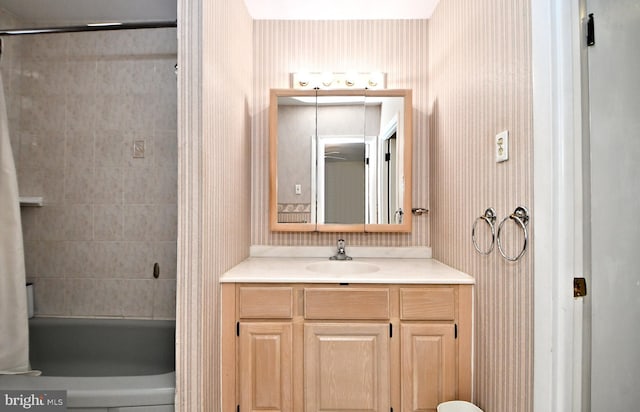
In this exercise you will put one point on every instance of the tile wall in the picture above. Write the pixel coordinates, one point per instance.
(78, 102)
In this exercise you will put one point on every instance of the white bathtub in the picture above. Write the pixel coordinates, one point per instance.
(105, 365)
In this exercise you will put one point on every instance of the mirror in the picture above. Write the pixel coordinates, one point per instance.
(340, 160)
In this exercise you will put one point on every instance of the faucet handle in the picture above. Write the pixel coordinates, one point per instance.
(341, 255)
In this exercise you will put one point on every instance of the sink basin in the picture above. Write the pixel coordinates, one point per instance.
(344, 267)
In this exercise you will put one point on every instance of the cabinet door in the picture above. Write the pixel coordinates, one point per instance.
(265, 367)
(346, 367)
(428, 373)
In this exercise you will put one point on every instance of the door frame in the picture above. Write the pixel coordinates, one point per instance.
(558, 204)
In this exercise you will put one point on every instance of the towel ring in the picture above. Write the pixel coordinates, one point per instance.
(521, 216)
(489, 216)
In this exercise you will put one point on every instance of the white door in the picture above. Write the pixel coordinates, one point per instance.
(614, 97)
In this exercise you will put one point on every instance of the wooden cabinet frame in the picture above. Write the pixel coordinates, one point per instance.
(232, 323)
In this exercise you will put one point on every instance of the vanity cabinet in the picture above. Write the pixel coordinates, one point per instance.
(314, 347)
(265, 359)
(346, 348)
(428, 347)
(428, 355)
(346, 367)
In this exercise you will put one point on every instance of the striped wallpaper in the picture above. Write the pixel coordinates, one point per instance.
(398, 48)
(214, 105)
(479, 85)
(476, 56)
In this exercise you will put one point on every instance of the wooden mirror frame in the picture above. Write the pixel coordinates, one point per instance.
(276, 226)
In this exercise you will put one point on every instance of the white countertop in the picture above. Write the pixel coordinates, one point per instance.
(380, 270)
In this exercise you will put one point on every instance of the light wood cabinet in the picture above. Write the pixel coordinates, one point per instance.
(428, 366)
(310, 347)
(264, 358)
(346, 367)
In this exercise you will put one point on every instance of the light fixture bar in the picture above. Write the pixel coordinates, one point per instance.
(338, 81)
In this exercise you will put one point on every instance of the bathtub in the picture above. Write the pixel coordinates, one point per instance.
(105, 365)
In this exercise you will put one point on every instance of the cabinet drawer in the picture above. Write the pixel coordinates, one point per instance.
(266, 302)
(346, 304)
(427, 304)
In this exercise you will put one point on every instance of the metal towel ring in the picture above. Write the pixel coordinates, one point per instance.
(521, 216)
(489, 216)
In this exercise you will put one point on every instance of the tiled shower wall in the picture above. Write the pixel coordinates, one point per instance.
(396, 47)
(78, 102)
(479, 85)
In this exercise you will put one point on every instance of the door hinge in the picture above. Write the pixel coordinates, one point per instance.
(237, 328)
(391, 330)
(387, 157)
(579, 287)
(238, 408)
(455, 331)
(591, 33)
(391, 409)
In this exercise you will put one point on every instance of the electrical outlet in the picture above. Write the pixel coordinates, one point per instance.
(502, 146)
(298, 189)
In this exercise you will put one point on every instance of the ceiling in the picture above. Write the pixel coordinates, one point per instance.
(89, 11)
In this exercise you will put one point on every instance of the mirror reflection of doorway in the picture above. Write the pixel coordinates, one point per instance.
(344, 191)
(344, 164)
(389, 188)
(389, 191)
(341, 194)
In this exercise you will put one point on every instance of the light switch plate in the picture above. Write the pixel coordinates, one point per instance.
(502, 146)
(298, 189)
(138, 149)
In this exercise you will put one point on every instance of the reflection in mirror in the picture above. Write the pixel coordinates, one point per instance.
(385, 163)
(341, 193)
(340, 146)
(340, 160)
(296, 159)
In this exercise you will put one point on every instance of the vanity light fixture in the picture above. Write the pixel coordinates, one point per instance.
(302, 80)
(327, 79)
(338, 81)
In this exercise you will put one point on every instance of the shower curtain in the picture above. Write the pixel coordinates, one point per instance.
(14, 332)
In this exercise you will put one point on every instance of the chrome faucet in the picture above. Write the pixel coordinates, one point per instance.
(342, 254)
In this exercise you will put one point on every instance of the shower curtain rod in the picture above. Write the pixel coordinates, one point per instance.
(90, 27)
